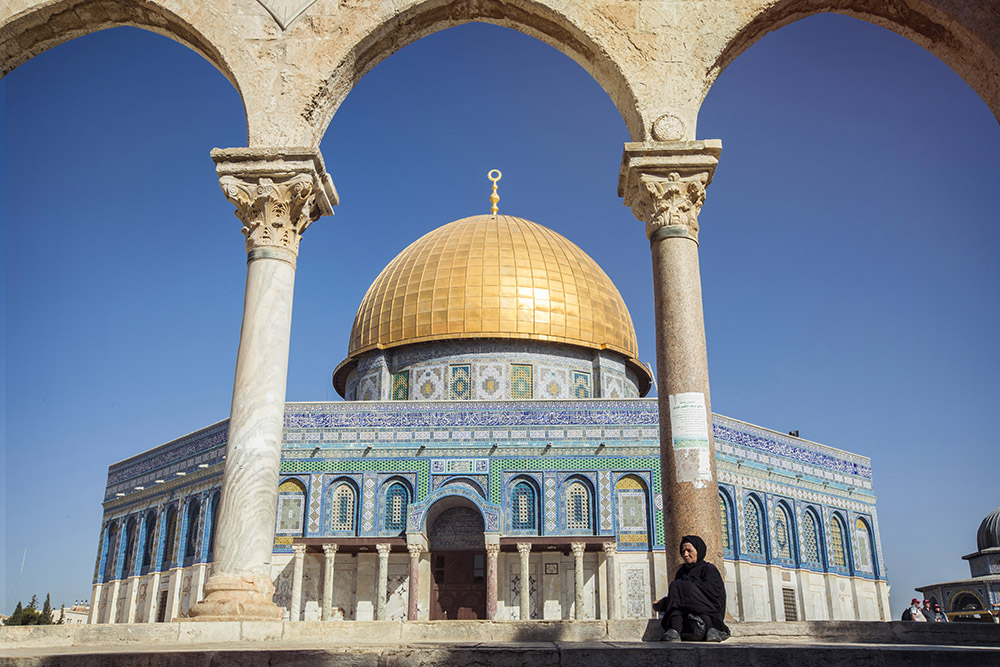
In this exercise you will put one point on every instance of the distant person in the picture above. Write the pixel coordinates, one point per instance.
(913, 613)
(928, 611)
(939, 616)
(695, 606)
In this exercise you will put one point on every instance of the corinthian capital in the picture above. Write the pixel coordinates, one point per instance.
(278, 192)
(664, 184)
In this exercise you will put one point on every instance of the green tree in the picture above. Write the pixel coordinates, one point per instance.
(62, 614)
(17, 616)
(45, 618)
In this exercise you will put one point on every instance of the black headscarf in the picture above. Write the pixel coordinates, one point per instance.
(708, 579)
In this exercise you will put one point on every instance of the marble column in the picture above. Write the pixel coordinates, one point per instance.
(610, 561)
(492, 552)
(382, 581)
(329, 554)
(278, 193)
(295, 605)
(524, 550)
(153, 597)
(578, 549)
(664, 184)
(95, 604)
(413, 585)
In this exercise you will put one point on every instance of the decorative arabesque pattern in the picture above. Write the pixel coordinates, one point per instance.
(460, 383)
(863, 553)
(632, 514)
(401, 386)
(752, 526)
(810, 538)
(520, 382)
(291, 507)
(580, 385)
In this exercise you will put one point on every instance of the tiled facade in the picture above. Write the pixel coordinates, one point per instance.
(592, 467)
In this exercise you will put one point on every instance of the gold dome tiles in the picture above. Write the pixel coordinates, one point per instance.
(493, 277)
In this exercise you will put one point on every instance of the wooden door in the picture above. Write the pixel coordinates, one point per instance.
(458, 589)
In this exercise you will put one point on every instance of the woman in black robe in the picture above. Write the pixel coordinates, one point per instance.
(695, 606)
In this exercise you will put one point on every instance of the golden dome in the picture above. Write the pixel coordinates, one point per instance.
(494, 276)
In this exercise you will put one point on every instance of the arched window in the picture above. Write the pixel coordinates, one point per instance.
(213, 510)
(783, 532)
(810, 538)
(342, 504)
(170, 538)
(130, 546)
(837, 546)
(191, 536)
(396, 500)
(633, 516)
(111, 555)
(752, 525)
(578, 507)
(291, 508)
(149, 542)
(864, 555)
(727, 534)
(524, 509)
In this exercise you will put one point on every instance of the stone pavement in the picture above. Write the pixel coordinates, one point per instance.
(495, 644)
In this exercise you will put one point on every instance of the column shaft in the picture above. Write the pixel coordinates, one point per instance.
(524, 550)
(329, 554)
(382, 585)
(578, 549)
(610, 553)
(413, 585)
(295, 606)
(492, 551)
(95, 604)
(664, 184)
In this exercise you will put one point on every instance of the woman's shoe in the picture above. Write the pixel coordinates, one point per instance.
(714, 635)
(671, 635)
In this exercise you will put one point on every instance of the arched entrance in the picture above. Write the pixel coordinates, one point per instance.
(458, 562)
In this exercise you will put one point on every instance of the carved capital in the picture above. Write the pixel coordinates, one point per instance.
(278, 192)
(524, 548)
(578, 548)
(299, 550)
(274, 212)
(415, 550)
(330, 550)
(664, 184)
(383, 550)
(610, 549)
(492, 550)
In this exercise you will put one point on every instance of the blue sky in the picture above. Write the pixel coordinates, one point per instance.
(848, 252)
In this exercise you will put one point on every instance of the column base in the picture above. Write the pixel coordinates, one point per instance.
(237, 598)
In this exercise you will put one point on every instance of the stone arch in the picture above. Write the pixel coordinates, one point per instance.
(422, 515)
(425, 17)
(964, 36)
(49, 24)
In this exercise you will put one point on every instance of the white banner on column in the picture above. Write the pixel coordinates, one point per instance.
(689, 433)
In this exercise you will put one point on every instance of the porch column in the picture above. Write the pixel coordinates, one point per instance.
(329, 553)
(413, 586)
(610, 552)
(664, 184)
(492, 551)
(578, 549)
(381, 585)
(153, 597)
(278, 193)
(524, 550)
(295, 606)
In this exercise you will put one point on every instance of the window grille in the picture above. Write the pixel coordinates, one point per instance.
(401, 386)
(788, 597)
(577, 507)
(810, 536)
(342, 508)
(782, 533)
(521, 382)
(396, 500)
(863, 557)
(837, 542)
(524, 507)
(751, 519)
(724, 518)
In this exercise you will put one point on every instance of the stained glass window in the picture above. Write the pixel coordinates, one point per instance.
(810, 538)
(342, 508)
(396, 500)
(837, 542)
(724, 518)
(751, 520)
(782, 533)
(520, 382)
(524, 506)
(577, 507)
(401, 386)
